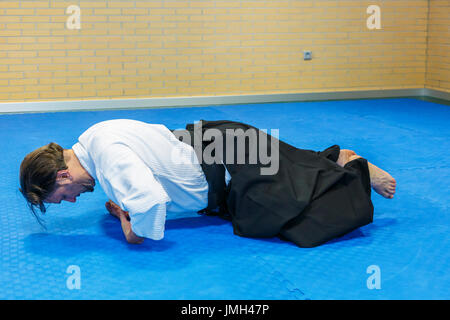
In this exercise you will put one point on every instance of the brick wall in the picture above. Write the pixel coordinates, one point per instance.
(438, 49)
(136, 49)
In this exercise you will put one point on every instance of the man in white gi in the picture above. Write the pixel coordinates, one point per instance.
(134, 164)
(147, 172)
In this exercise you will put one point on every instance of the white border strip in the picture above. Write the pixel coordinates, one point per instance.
(84, 105)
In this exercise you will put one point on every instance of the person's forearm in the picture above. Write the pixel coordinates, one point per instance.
(128, 232)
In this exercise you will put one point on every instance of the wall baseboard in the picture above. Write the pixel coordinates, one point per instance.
(437, 94)
(85, 105)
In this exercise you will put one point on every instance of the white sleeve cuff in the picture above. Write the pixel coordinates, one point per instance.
(150, 224)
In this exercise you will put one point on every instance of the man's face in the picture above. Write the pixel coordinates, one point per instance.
(68, 188)
(66, 192)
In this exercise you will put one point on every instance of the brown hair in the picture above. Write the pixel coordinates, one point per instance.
(38, 175)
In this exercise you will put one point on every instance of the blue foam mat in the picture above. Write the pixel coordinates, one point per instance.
(200, 257)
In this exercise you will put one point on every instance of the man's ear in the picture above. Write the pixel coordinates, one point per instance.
(63, 176)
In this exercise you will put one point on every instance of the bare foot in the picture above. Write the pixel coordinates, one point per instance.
(344, 156)
(381, 181)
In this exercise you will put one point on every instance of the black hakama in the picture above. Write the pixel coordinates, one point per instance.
(309, 200)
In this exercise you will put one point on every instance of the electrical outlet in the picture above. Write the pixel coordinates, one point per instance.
(307, 55)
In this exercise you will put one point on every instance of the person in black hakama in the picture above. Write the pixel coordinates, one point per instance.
(302, 196)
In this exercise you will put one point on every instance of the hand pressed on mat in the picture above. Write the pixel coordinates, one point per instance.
(124, 218)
